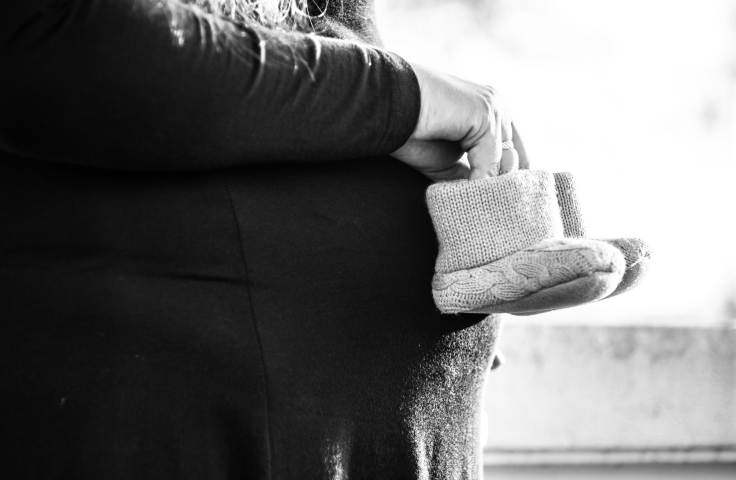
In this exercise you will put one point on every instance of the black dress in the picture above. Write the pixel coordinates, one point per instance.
(209, 266)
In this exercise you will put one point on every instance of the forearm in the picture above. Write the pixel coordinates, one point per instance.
(126, 84)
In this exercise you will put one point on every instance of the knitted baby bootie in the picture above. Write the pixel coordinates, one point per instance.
(502, 248)
(635, 251)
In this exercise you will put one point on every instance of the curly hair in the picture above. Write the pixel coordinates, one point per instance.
(287, 14)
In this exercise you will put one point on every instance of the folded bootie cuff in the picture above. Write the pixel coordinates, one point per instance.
(573, 220)
(480, 221)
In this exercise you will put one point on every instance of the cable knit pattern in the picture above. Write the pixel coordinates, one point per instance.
(481, 221)
(549, 263)
(635, 250)
(567, 196)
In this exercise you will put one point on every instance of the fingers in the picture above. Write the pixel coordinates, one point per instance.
(507, 126)
(519, 146)
(501, 162)
(485, 157)
(509, 161)
(509, 156)
(469, 116)
(498, 139)
(478, 157)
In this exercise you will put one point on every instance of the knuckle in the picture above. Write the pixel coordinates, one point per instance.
(491, 90)
(487, 107)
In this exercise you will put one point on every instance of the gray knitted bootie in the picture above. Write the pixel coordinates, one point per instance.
(635, 251)
(502, 248)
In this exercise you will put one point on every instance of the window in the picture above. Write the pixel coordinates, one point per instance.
(638, 100)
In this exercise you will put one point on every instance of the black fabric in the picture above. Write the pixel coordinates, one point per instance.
(126, 84)
(261, 320)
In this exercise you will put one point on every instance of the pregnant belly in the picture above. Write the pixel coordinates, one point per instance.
(284, 301)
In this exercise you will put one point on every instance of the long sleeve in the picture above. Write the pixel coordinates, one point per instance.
(147, 85)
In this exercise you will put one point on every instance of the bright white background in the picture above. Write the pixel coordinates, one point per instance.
(638, 99)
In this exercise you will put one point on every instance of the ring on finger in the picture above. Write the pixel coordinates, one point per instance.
(507, 145)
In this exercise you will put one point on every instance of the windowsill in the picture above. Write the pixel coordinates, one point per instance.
(610, 457)
(648, 471)
(612, 394)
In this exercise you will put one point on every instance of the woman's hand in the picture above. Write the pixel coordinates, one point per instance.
(457, 117)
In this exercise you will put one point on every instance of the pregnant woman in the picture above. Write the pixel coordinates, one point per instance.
(215, 260)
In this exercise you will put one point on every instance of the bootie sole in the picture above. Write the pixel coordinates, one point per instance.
(635, 251)
(555, 273)
(571, 294)
(502, 248)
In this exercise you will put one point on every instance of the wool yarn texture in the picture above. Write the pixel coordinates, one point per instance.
(573, 220)
(502, 239)
(547, 264)
(635, 251)
(480, 221)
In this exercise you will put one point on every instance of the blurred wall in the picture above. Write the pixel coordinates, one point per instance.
(572, 394)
